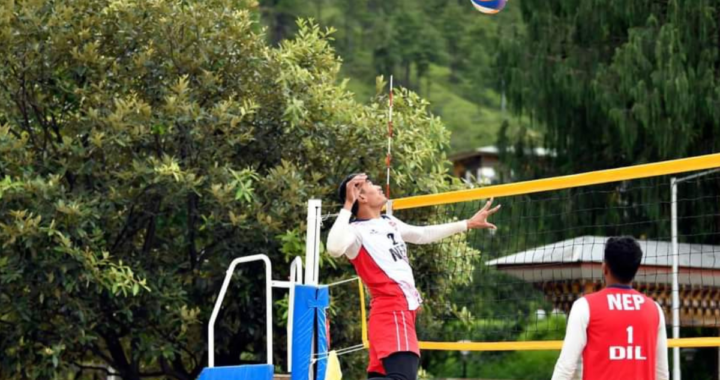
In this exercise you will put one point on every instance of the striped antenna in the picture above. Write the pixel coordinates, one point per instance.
(388, 158)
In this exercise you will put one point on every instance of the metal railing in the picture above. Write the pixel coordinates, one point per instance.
(221, 296)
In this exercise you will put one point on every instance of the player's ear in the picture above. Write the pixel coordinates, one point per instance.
(361, 197)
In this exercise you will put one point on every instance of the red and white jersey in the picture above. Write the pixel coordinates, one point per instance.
(384, 267)
(377, 248)
(619, 333)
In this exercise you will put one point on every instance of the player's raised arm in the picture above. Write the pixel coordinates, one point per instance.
(431, 234)
(342, 239)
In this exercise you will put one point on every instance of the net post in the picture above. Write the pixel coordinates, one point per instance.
(363, 315)
(312, 242)
(675, 284)
(389, 208)
(312, 268)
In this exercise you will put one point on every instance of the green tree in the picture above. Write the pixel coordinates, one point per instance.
(616, 83)
(144, 146)
(279, 16)
(453, 24)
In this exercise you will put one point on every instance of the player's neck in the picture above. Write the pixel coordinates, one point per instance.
(368, 213)
(613, 283)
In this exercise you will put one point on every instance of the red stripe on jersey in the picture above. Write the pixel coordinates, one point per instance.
(386, 294)
(390, 333)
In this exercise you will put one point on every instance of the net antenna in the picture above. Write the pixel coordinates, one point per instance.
(388, 158)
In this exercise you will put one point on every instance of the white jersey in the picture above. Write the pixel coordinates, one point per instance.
(377, 249)
(384, 266)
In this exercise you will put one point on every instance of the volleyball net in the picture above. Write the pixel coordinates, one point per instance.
(512, 289)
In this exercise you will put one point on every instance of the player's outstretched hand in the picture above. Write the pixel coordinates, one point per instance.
(480, 219)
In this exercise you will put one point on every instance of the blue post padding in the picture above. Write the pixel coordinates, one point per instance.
(310, 304)
(241, 372)
(323, 302)
(303, 319)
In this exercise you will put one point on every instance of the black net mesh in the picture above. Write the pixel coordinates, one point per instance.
(519, 282)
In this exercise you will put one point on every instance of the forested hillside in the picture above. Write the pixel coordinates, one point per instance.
(444, 50)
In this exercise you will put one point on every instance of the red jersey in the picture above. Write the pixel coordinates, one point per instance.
(384, 267)
(622, 335)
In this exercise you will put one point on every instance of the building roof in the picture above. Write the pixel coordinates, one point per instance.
(591, 249)
(492, 150)
(579, 258)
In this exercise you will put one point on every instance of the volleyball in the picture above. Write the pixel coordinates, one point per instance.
(489, 7)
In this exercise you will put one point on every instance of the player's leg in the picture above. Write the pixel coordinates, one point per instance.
(395, 344)
(375, 367)
(382, 335)
(398, 366)
(401, 366)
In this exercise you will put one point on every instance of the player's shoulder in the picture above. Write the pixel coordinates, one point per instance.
(580, 309)
(648, 300)
(580, 304)
(389, 219)
(590, 297)
(369, 227)
(647, 297)
(582, 300)
(384, 223)
(656, 303)
(359, 221)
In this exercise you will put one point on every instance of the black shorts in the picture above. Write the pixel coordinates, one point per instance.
(398, 366)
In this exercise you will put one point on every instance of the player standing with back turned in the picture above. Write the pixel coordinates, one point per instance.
(619, 332)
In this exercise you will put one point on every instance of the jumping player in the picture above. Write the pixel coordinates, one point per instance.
(375, 245)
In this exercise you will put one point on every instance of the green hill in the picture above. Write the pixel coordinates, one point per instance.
(444, 50)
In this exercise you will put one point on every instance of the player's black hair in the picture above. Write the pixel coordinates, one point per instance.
(342, 193)
(623, 256)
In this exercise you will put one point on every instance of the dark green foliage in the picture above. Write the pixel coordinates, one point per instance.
(144, 145)
(617, 82)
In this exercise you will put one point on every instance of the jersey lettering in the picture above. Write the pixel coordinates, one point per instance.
(625, 301)
(628, 352)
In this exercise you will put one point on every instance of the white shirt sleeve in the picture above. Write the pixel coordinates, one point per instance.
(343, 239)
(428, 234)
(575, 341)
(661, 357)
